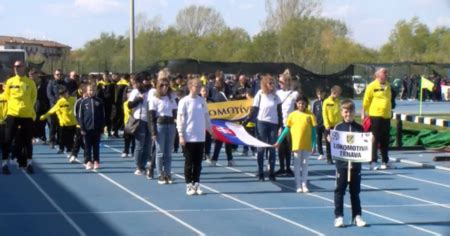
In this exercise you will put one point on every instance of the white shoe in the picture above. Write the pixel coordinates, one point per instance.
(373, 166)
(299, 190)
(388, 165)
(190, 190)
(358, 221)
(320, 157)
(339, 222)
(72, 159)
(138, 172)
(305, 188)
(68, 156)
(88, 165)
(124, 155)
(197, 189)
(383, 166)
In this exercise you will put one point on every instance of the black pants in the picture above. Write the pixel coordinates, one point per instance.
(39, 128)
(285, 153)
(53, 126)
(354, 189)
(380, 129)
(251, 131)
(67, 137)
(117, 119)
(24, 143)
(327, 144)
(228, 150)
(92, 145)
(176, 143)
(130, 142)
(193, 154)
(320, 131)
(77, 143)
(208, 141)
(108, 123)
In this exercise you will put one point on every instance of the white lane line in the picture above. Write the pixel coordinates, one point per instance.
(197, 231)
(413, 178)
(207, 210)
(332, 201)
(55, 205)
(258, 209)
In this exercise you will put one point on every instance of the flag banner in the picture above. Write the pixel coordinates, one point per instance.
(349, 146)
(233, 133)
(230, 110)
(426, 84)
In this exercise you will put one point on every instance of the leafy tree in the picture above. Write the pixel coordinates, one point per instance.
(279, 12)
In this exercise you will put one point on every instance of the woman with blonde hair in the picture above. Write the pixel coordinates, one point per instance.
(267, 109)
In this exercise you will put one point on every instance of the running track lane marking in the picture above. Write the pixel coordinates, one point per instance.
(332, 201)
(246, 203)
(149, 203)
(56, 206)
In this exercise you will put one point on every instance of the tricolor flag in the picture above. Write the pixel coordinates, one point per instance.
(233, 133)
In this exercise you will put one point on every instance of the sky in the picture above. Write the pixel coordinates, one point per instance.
(75, 22)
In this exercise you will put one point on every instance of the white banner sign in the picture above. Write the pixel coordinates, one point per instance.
(348, 146)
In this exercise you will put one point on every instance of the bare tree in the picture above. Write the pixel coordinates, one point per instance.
(144, 24)
(279, 12)
(199, 21)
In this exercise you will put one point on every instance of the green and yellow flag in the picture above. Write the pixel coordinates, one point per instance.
(426, 84)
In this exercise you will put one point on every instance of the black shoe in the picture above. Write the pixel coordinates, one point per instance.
(272, 177)
(289, 173)
(329, 161)
(52, 145)
(169, 179)
(261, 177)
(5, 170)
(161, 180)
(30, 169)
(280, 172)
(149, 174)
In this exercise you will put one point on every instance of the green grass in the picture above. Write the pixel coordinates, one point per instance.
(414, 126)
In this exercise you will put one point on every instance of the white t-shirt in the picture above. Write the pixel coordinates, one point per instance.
(191, 121)
(267, 104)
(288, 99)
(140, 111)
(163, 106)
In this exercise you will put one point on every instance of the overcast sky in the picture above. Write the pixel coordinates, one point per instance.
(74, 22)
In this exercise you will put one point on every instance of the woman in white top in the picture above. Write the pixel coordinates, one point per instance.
(267, 108)
(288, 97)
(192, 121)
(137, 101)
(162, 115)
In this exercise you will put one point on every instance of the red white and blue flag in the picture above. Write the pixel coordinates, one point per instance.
(233, 133)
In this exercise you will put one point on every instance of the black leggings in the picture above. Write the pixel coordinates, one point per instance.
(380, 129)
(193, 153)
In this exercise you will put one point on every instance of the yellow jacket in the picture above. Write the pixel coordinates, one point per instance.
(126, 112)
(123, 82)
(3, 108)
(377, 100)
(20, 92)
(331, 112)
(64, 109)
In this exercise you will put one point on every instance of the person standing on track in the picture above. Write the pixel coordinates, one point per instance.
(192, 121)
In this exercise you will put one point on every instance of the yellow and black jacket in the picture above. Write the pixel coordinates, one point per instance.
(331, 112)
(377, 100)
(64, 109)
(20, 92)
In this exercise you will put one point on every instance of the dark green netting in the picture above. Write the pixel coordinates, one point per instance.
(426, 138)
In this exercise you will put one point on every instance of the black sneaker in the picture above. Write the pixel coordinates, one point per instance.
(30, 169)
(261, 177)
(161, 180)
(149, 173)
(280, 172)
(272, 177)
(330, 161)
(289, 173)
(169, 179)
(5, 170)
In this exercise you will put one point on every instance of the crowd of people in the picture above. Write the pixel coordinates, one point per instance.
(159, 113)
(408, 87)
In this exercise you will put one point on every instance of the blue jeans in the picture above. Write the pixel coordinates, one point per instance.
(267, 132)
(143, 145)
(164, 143)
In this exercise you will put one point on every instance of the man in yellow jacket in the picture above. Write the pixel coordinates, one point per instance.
(378, 106)
(20, 92)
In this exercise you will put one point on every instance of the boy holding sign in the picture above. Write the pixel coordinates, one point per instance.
(348, 159)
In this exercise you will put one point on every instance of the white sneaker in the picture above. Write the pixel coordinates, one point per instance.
(299, 190)
(339, 222)
(138, 172)
(88, 165)
(320, 157)
(197, 189)
(383, 166)
(373, 166)
(358, 221)
(388, 165)
(305, 188)
(68, 156)
(190, 190)
(213, 163)
(73, 159)
(124, 155)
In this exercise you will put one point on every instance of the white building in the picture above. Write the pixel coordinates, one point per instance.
(45, 48)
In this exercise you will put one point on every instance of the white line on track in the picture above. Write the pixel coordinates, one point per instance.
(413, 178)
(332, 201)
(159, 209)
(55, 205)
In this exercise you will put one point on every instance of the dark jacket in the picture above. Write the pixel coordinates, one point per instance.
(42, 103)
(53, 90)
(92, 114)
(317, 111)
(348, 127)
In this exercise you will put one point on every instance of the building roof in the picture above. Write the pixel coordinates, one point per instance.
(20, 40)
